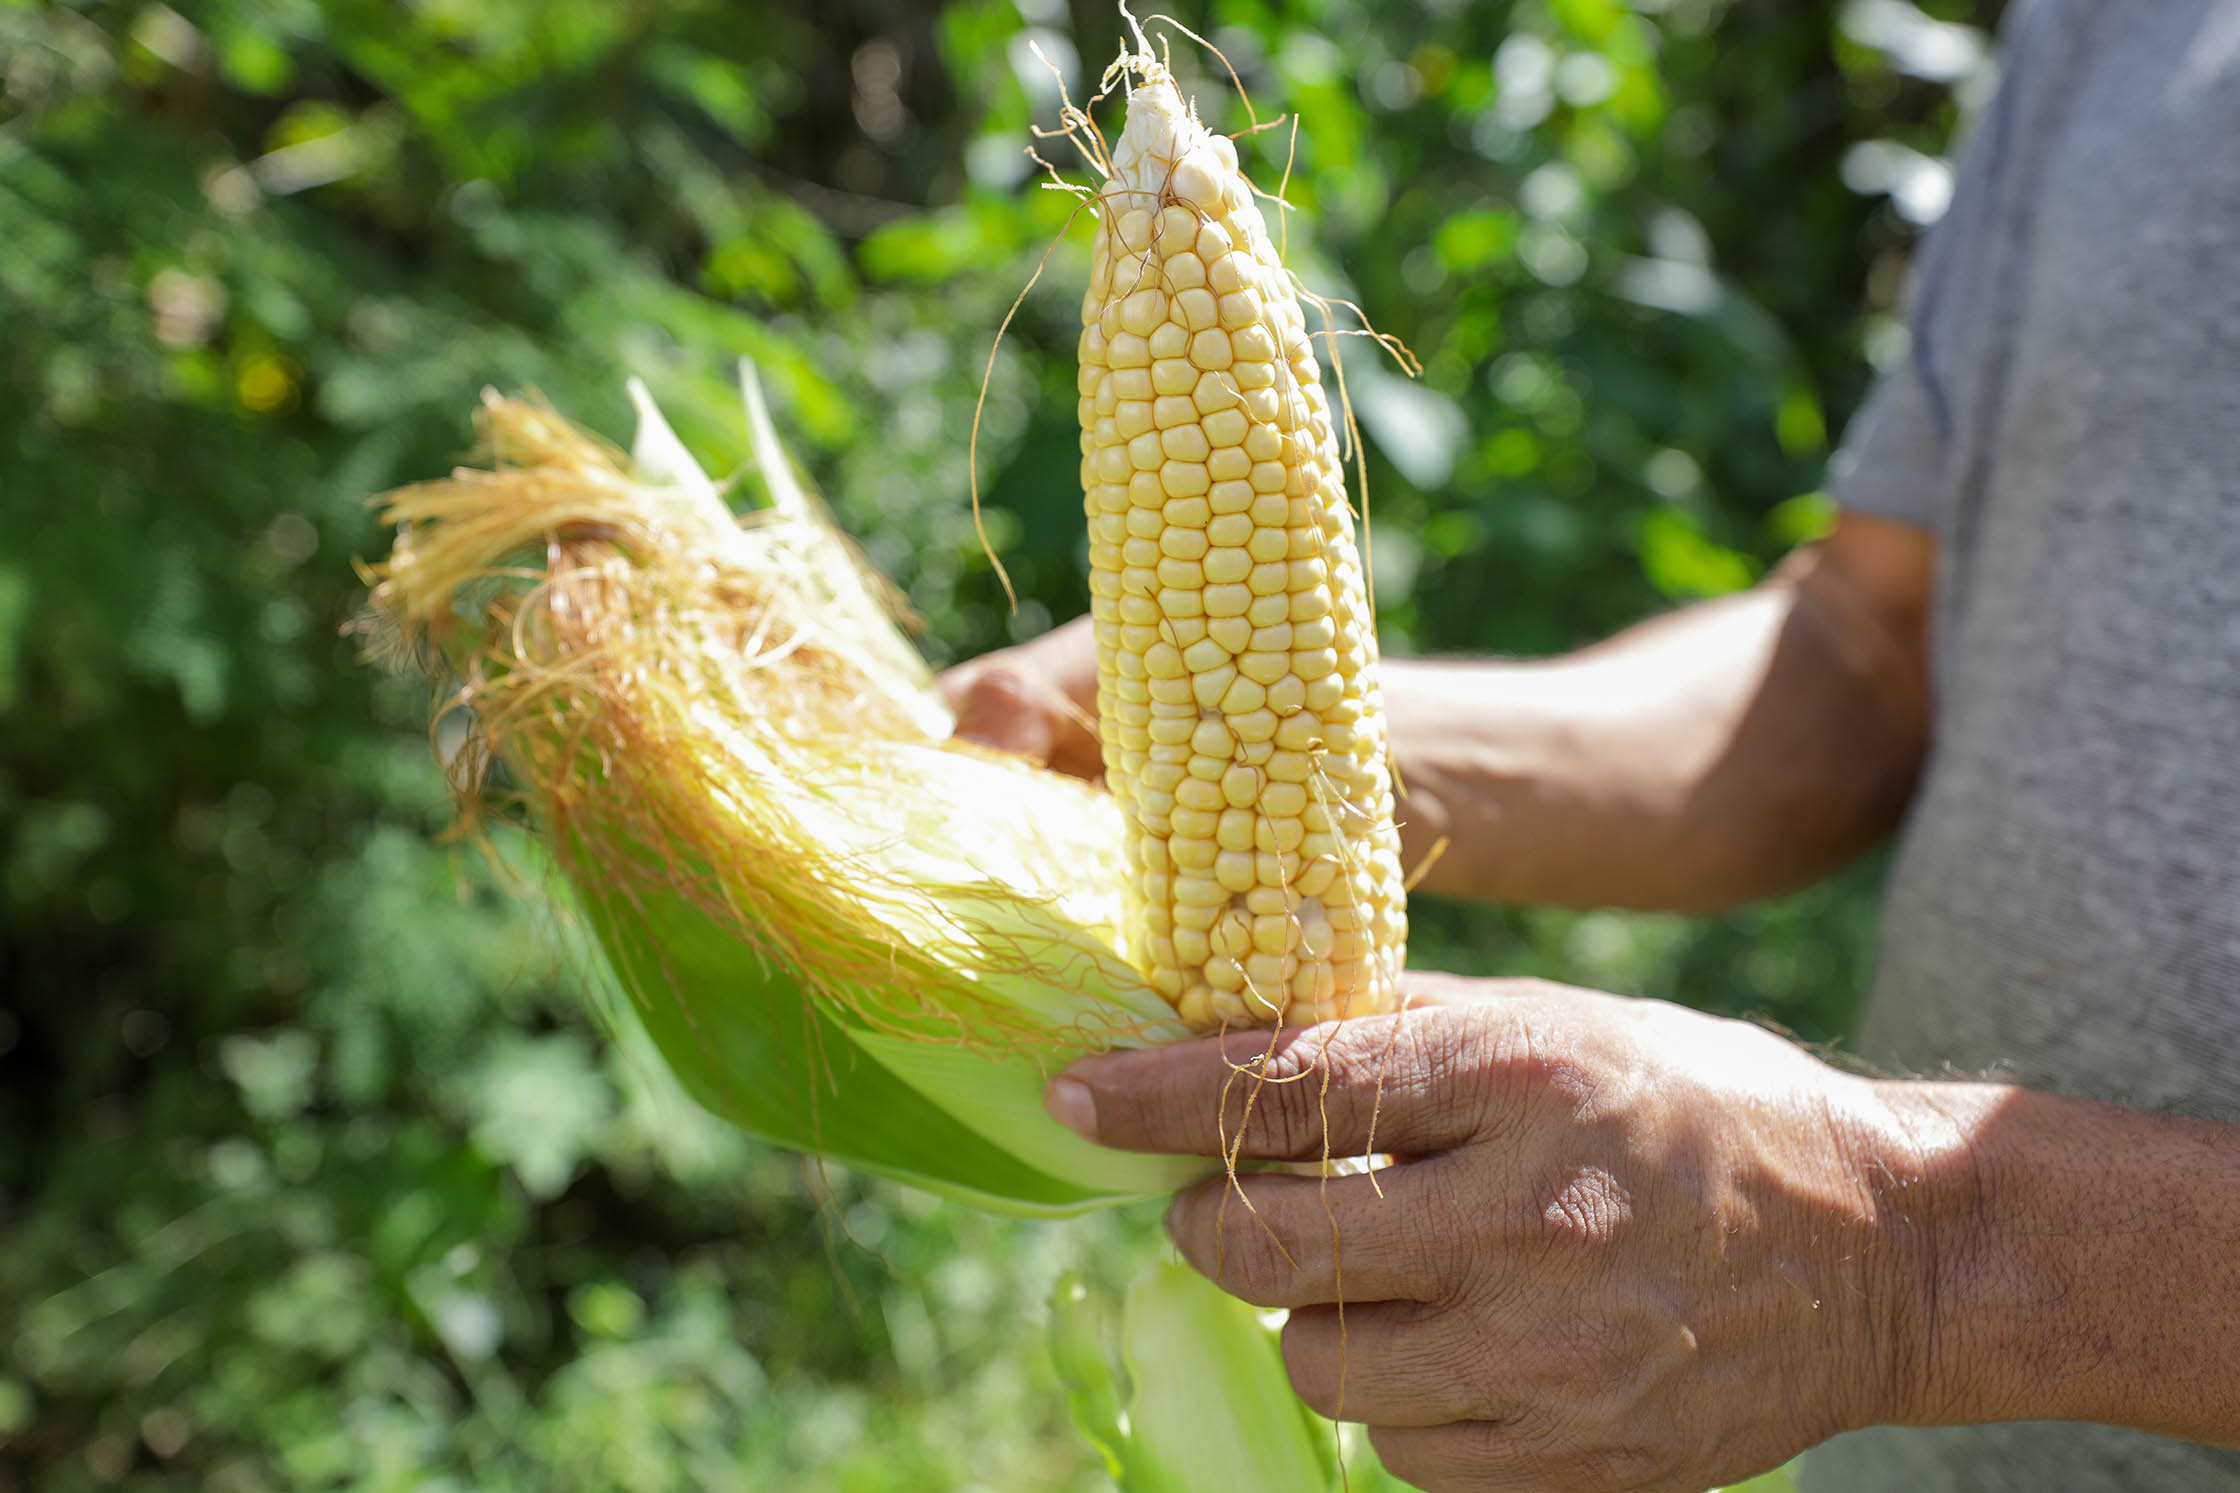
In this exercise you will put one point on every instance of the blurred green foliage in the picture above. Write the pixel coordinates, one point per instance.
(314, 1170)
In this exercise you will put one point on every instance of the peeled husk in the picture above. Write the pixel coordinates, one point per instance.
(845, 931)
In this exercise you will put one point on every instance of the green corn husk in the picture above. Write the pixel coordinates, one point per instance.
(1183, 1390)
(845, 932)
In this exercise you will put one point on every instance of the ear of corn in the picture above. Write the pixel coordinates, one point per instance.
(849, 933)
(1242, 723)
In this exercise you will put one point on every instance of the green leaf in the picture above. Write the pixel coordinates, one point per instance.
(1681, 562)
(1472, 239)
(538, 1104)
(1802, 519)
(1800, 425)
(1082, 1352)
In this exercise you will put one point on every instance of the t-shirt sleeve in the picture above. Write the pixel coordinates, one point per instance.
(1903, 455)
(1896, 461)
(1907, 452)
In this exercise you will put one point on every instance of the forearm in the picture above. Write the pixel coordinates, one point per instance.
(2078, 1262)
(1733, 750)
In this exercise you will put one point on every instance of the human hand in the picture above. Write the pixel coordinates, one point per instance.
(1038, 699)
(1629, 1246)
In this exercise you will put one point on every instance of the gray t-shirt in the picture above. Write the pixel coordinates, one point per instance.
(2065, 904)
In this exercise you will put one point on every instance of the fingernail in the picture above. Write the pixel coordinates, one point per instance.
(1072, 1105)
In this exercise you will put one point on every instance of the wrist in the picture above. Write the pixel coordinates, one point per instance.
(2076, 1260)
(1930, 1187)
(1862, 1252)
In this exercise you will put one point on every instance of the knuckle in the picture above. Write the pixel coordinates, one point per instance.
(1583, 1209)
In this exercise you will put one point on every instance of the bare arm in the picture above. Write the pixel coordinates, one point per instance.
(1727, 751)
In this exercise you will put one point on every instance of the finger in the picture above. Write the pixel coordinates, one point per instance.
(1067, 656)
(1307, 1241)
(1519, 1457)
(1075, 748)
(1389, 1363)
(999, 707)
(1410, 1082)
(1064, 659)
